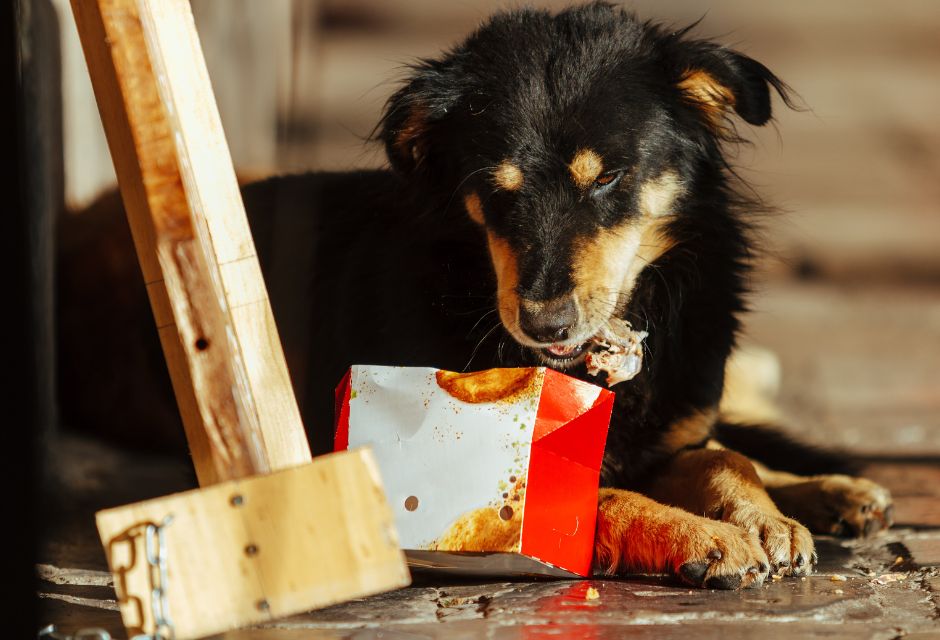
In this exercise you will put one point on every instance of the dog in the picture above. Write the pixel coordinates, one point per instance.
(549, 175)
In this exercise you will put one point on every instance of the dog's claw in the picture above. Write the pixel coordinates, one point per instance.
(693, 572)
(724, 582)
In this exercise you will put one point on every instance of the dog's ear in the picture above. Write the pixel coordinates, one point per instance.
(715, 80)
(414, 113)
(405, 129)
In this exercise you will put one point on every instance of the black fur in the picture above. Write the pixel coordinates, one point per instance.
(404, 276)
(782, 453)
(385, 267)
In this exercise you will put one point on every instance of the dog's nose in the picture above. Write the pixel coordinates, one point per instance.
(548, 321)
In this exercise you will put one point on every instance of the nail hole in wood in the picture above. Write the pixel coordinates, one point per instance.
(202, 344)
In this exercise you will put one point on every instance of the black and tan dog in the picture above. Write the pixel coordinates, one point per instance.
(548, 175)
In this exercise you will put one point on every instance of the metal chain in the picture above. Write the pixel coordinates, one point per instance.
(156, 555)
(155, 552)
(50, 632)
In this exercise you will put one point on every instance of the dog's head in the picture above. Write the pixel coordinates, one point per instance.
(573, 140)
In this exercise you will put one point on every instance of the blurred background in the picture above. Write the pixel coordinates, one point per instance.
(848, 295)
(845, 327)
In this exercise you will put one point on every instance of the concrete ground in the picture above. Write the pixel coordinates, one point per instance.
(884, 587)
(848, 297)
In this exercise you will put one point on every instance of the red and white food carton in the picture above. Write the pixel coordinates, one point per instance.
(493, 472)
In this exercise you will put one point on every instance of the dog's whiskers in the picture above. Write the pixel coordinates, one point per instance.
(500, 347)
(483, 317)
(460, 184)
(480, 343)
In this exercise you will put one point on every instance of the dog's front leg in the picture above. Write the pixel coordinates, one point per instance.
(724, 485)
(637, 534)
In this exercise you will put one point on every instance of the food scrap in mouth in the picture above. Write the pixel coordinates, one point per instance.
(619, 353)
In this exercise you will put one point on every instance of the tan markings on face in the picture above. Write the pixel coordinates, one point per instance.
(712, 97)
(471, 202)
(658, 195)
(507, 276)
(585, 167)
(508, 176)
(690, 430)
(607, 265)
(656, 199)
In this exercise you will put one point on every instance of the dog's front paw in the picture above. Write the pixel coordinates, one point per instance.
(837, 505)
(636, 534)
(719, 555)
(788, 544)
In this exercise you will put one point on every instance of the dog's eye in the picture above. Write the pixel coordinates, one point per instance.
(607, 182)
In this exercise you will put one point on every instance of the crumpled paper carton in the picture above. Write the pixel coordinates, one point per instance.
(490, 473)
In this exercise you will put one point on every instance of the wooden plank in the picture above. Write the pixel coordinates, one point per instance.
(257, 546)
(150, 169)
(247, 551)
(121, 143)
(212, 188)
(192, 236)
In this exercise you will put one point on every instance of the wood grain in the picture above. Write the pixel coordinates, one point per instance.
(192, 237)
(248, 551)
(254, 545)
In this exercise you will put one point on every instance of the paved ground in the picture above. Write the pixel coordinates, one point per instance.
(885, 587)
(849, 299)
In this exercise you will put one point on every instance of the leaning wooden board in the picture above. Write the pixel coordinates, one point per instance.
(178, 185)
(272, 533)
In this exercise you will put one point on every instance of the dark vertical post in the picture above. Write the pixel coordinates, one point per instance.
(32, 72)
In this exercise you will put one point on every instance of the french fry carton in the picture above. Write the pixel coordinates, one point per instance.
(490, 473)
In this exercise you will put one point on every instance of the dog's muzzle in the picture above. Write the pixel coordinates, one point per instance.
(550, 321)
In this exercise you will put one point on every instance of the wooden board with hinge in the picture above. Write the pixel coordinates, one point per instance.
(305, 534)
(252, 550)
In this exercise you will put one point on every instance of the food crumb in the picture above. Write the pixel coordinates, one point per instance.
(837, 578)
(591, 594)
(776, 577)
(839, 591)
